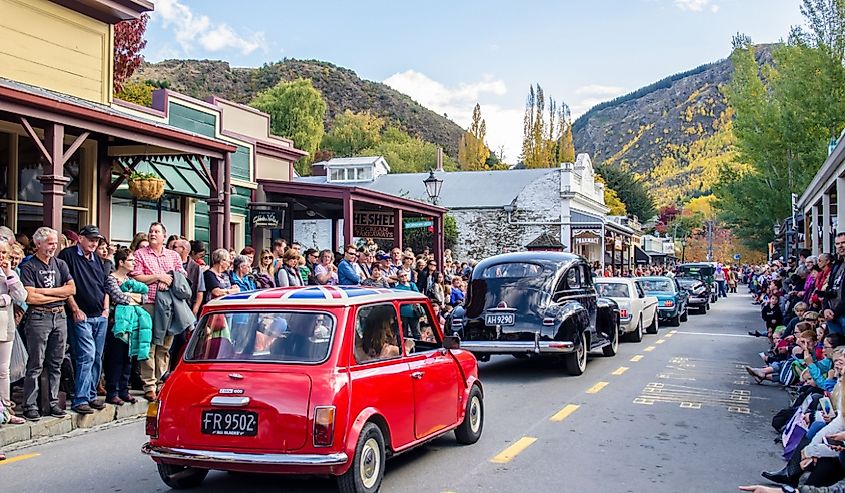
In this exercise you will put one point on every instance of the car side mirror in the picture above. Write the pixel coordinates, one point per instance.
(452, 342)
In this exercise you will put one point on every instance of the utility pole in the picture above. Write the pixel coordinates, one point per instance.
(709, 241)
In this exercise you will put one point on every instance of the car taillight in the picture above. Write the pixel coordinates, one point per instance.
(324, 426)
(668, 303)
(623, 312)
(151, 426)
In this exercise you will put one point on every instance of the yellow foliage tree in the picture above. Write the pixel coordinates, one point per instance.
(472, 151)
(139, 93)
(611, 199)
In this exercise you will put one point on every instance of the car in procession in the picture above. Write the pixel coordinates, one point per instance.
(536, 304)
(637, 311)
(315, 380)
(672, 299)
(698, 291)
(702, 270)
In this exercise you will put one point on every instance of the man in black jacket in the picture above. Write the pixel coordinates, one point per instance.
(834, 304)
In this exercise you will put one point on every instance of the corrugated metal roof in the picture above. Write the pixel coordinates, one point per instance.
(461, 189)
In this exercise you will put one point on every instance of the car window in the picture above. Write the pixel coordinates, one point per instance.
(586, 277)
(283, 336)
(420, 335)
(572, 278)
(640, 291)
(512, 269)
(612, 289)
(376, 333)
(656, 284)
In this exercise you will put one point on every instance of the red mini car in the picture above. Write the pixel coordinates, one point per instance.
(314, 380)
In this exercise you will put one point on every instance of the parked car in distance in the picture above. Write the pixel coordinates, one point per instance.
(671, 298)
(637, 311)
(698, 292)
(314, 380)
(703, 270)
(536, 303)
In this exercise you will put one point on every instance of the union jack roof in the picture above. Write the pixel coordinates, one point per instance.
(322, 295)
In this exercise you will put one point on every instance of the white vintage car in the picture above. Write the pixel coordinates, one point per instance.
(637, 312)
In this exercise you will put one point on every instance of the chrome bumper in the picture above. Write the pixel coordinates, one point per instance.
(238, 458)
(508, 347)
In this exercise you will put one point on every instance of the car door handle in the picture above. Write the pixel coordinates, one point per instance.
(417, 375)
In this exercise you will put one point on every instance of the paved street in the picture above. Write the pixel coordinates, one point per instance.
(673, 413)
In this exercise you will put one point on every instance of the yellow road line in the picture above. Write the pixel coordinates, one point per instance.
(509, 453)
(597, 387)
(620, 370)
(637, 358)
(660, 341)
(668, 335)
(18, 458)
(649, 349)
(673, 331)
(564, 413)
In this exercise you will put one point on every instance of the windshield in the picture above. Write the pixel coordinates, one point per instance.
(301, 337)
(697, 270)
(612, 290)
(688, 282)
(512, 270)
(656, 284)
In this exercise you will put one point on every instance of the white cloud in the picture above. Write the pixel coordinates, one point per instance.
(592, 95)
(504, 125)
(697, 5)
(599, 90)
(194, 31)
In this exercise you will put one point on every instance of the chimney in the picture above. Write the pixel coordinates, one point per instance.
(318, 169)
(439, 160)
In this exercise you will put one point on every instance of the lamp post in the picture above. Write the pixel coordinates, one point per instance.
(432, 186)
(683, 249)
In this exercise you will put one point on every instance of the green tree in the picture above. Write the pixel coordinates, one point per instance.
(406, 154)
(351, 133)
(629, 189)
(472, 150)
(297, 111)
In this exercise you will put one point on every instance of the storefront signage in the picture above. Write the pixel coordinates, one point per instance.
(370, 224)
(269, 219)
(587, 241)
(587, 237)
(617, 244)
(418, 224)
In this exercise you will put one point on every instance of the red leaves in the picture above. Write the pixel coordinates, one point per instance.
(128, 43)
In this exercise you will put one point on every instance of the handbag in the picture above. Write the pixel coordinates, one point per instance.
(17, 364)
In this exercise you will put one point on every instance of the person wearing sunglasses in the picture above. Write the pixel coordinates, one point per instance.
(346, 273)
(265, 273)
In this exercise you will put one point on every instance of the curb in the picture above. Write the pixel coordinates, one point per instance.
(49, 426)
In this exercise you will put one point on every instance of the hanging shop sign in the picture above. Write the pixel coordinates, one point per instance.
(267, 219)
(587, 237)
(371, 224)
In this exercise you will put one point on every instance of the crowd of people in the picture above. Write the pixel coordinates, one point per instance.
(88, 319)
(803, 311)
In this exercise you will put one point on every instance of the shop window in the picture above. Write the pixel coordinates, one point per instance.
(130, 216)
(5, 160)
(29, 169)
(30, 218)
(72, 169)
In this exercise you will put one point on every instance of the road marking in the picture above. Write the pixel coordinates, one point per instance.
(564, 413)
(660, 341)
(509, 453)
(673, 331)
(649, 349)
(718, 334)
(668, 335)
(597, 387)
(641, 400)
(637, 358)
(620, 370)
(18, 458)
(690, 405)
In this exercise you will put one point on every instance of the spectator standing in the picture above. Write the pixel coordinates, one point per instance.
(425, 279)
(456, 295)
(123, 291)
(11, 292)
(105, 254)
(834, 312)
(377, 278)
(241, 275)
(307, 266)
(217, 281)
(410, 320)
(436, 290)
(48, 286)
(90, 310)
(289, 274)
(346, 273)
(139, 241)
(325, 272)
(279, 247)
(265, 273)
(193, 273)
(198, 252)
(364, 266)
(152, 267)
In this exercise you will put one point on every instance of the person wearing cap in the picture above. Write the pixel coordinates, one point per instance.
(90, 310)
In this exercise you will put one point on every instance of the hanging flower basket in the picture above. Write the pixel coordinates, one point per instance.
(146, 186)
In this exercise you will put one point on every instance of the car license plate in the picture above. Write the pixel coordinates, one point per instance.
(230, 423)
(499, 319)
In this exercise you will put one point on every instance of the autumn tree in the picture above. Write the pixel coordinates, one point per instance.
(351, 133)
(630, 190)
(611, 199)
(547, 138)
(565, 144)
(472, 150)
(297, 111)
(128, 43)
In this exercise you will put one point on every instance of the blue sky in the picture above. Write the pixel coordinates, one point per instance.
(448, 55)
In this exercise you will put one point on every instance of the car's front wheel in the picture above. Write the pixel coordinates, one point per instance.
(367, 470)
(576, 361)
(181, 477)
(469, 430)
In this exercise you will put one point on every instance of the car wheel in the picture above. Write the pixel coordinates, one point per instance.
(367, 470)
(181, 477)
(637, 334)
(706, 307)
(652, 329)
(576, 361)
(613, 347)
(685, 315)
(702, 310)
(469, 430)
(676, 322)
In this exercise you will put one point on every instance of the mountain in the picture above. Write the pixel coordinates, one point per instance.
(341, 88)
(675, 133)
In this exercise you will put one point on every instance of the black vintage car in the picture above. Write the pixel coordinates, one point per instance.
(699, 292)
(536, 303)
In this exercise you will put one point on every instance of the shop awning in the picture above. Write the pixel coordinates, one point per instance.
(640, 257)
(178, 175)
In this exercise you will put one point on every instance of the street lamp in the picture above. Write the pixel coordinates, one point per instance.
(432, 186)
(683, 250)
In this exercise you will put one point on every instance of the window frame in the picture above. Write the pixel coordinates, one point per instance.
(353, 359)
(430, 315)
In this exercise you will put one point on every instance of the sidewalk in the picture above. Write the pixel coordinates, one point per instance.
(49, 426)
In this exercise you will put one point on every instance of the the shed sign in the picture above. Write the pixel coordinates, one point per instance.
(370, 224)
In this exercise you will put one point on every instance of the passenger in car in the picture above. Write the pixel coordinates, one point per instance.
(378, 339)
